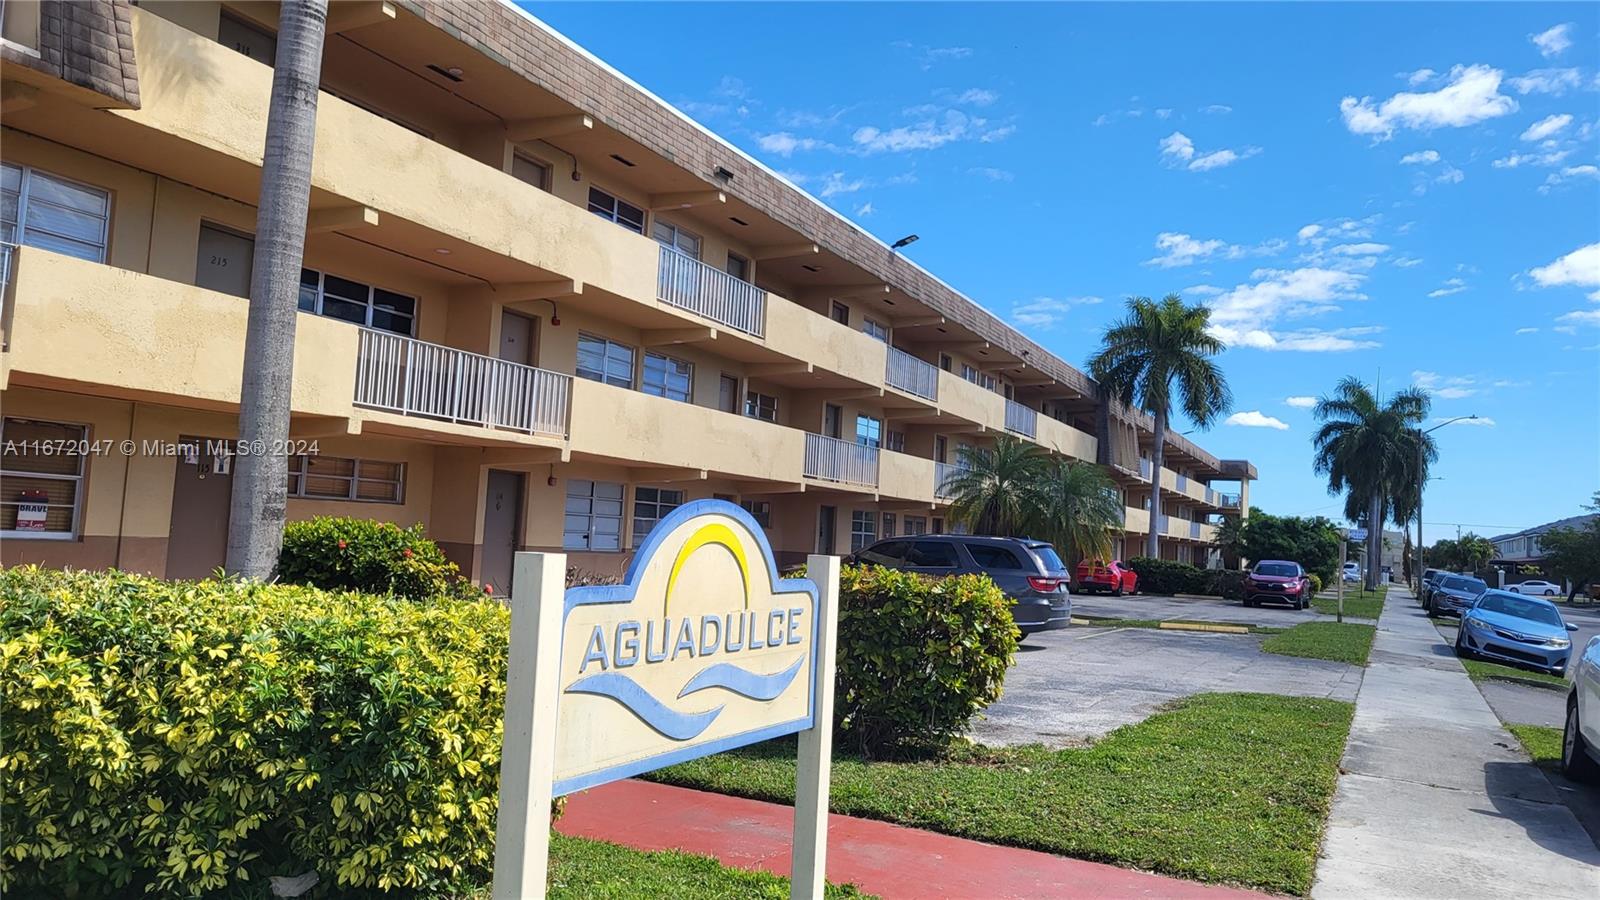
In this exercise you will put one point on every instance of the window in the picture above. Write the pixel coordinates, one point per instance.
(761, 406)
(352, 301)
(41, 487)
(738, 266)
(832, 415)
(728, 394)
(875, 329)
(916, 525)
(839, 313)
(651, 505)
(248, 39)
(667, 377)
(941, 445)
(888, 524)
(896, 441)
(945, 362)
(932, 555)
(827, 521)
(678, 239)
(760, 510)
(988, 556)
(52, 213)
(593, 518)
(336, 478)
(863, 528)
(533, 171)
(938, 525)
(608, 207)
(869, 431)
(976, 377)
(19, 24)
(605, 361)
(888, 553)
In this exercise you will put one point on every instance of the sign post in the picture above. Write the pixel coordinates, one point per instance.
(1351, 534)
(702, 648)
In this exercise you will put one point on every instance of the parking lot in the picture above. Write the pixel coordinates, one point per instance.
(1193, 609)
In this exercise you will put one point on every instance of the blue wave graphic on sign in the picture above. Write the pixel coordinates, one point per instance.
(678, 725)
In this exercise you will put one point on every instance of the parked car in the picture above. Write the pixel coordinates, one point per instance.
(1278, 581)
(1351, 573)
(1580, 740)
(1029, 572)
(1454, 594)
(1539, 588)
(1516, 629)
(1107, 578)
(1430, 580)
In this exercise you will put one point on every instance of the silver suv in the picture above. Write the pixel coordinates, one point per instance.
(1029, 572)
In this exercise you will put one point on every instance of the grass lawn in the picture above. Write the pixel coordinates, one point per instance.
(1480, 670)
(1227, 788)
(584, 868)
(1339, 641)
(1368, 607)
(1542, 743)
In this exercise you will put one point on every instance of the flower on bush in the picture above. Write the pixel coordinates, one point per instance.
(371, 557)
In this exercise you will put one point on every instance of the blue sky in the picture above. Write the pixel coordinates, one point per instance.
(1355, 189)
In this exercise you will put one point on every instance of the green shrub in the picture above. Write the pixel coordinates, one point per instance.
(177, 738)
(918, 657)
(1316, 583)
(1165, 576)
(348, 554)
(1225, 583)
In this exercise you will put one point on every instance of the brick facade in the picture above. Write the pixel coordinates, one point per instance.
(86, 43)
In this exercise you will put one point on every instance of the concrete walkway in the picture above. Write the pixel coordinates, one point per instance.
(1437, 799)
(891, 861)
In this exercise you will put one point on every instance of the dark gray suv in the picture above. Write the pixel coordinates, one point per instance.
(1029, 572)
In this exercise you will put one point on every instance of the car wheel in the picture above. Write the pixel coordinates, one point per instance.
(1549, 593)
(1117, 591)
(1461, 645)
(1575, 761)
(1514, 589)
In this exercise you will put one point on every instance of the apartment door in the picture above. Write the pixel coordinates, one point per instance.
(224, 261)
(502, 521)
(832, 420)
(728, 394)
(202, 489)
(517, 336)
(941, 445)
(827, 528)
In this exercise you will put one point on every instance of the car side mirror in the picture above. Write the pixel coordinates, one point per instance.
(1571, 627)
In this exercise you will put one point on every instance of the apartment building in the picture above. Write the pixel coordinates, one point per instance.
(540, 308)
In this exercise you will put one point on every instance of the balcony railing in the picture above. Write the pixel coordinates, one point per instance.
(845, 462)
(1021, 419)
(1228, 501)
(912, 375)
(943, 474)
(416, 378)
(1194, 530)
(1212, 497)
(688, 283)
(1144, 468)
(5, 273)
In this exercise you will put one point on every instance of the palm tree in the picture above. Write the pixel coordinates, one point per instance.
(1076, 509)
(1230, 537)
(1369, 450)
(1157, 348)
(992, 491)
(260, 479)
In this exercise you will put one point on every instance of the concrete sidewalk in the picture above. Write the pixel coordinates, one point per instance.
(1437, 799)
(891, 861)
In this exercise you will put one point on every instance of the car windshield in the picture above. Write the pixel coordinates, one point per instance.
(1465, 585)
(1047, 555)
(1278, 570)
(1521, 607)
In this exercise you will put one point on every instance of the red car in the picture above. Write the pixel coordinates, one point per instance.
(1107, 578)
(1279, 581)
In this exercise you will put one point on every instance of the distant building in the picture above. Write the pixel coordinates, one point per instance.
(1523, 546)
(1394, 551)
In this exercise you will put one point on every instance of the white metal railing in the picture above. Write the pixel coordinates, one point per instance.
(912, 375)
(943, 473)
(846, 462)
(416, 378)
(1144, 468)
(1228, 500)
(1212, 497)
(5, 263)
(688, 283)
(1021, 419)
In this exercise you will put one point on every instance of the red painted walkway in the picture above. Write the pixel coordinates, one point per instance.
(894, 862)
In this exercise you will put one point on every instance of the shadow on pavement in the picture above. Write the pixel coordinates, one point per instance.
(1502, 781)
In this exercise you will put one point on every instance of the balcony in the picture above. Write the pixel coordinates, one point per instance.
(688, 283)
(943, 473)
(1066, 440)
(1021, 419)
(912, 375)
(1228, 501)
(902, 476)
(1144, 468)
(415, 378)
(841, 462)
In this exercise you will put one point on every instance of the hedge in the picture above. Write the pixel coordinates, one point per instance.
(350, 554)
(197, 737)
(1165, 576)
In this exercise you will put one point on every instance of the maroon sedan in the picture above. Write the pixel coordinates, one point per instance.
(1278, 581)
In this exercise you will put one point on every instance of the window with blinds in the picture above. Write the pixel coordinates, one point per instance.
(41, 478)
(52, 213)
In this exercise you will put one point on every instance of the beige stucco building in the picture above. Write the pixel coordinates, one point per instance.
(540, 307)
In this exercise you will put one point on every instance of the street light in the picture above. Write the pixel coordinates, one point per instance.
(1420, 435)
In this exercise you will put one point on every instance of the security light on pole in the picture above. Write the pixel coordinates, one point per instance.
(1420, 435)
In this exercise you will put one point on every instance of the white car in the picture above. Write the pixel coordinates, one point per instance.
(1536, 588)
(1352, 572)
(1580, 740)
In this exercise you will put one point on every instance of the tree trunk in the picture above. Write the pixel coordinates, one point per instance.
(1374, 539)
(260, 478)
(1152, 546)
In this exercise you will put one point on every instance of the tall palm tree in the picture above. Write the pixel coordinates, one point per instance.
(1369, 451)
(1077, 510)
(260, 479)
(992, 491)
(1156, 350)
(1230, 536)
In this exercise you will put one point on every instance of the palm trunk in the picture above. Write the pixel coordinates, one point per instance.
(1374, 539)
(260, 479)
(1152, 547)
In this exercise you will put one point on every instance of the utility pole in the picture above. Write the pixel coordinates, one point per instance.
(1421, 479)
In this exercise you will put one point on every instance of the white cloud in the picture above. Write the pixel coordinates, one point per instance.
(977, 97)
(1581, 317)
(1471, 96)
(1320, 235)
(1406, 262)
(1546, 81)
(865, 209)
(1543, 158)
(1450, 175)
(991, 173)
(997, 134)
(1481, 421)
(1421, 157)
(1580, 268)
(1216, 109)
(835, 183)
(1163, 113)
(1254, 418)
(1366, 248)
(1301, 402)
(1553, 42)
(925, 135)
(1046, 312)
(1244, 316)
(1506, 383)
(1445, 388)
(1420, 77)
(1525, 331)
(1178, 249)
(1201, 290)
(1547, 127)
(1568, 173)
(785, 144)
(1308, 232)
(1451, 286)
(1179, 151)
(1305, 340)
